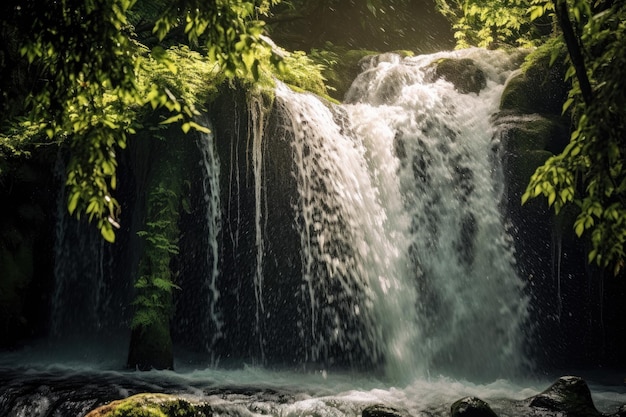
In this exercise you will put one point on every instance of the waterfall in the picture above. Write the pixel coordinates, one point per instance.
(257, 125)
(371, 231)
(81, 302)
(470, 303)
(351, 243)
(364, 235)
(209, 162)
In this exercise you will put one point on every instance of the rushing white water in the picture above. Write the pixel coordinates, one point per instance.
(405, 253)
(471, 307)
(213, 212)
(350, 247)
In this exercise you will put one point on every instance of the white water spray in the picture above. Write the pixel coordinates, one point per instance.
(470, 302)
(211, 189)
(353, 245)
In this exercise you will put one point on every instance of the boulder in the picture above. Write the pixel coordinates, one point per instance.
(538, 89)
(152, 405)
(379, 410)
(471, 407)
(466, 76)
(569, 395)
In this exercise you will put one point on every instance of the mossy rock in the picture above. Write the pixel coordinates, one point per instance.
(152, 405)
(151, 347)
(539, 133)
(466, 76)
(537, 89)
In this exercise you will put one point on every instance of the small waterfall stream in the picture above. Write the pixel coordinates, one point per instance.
(82, 298)
(209, 161)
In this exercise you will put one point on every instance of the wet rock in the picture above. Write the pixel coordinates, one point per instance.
(379, 410)
(471, 407)
(569, 395)
(466, 76)
(157, 405)
(538, 89)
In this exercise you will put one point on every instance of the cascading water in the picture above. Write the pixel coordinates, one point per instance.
(81, 301)
(367, 233)
(471, 308)
(209, 161)
(351, 243)
(405, 259)
(403, 256)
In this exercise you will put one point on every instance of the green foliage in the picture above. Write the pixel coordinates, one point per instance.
(301, 71)
(155, 283)
(590, 172)
(97, 76)
(494, 23)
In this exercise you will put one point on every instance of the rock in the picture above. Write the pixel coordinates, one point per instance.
(569, 395)
(471, 407)
(152, 405)
(466, 76)
(151, 347)
(539, 89)
(379, 410)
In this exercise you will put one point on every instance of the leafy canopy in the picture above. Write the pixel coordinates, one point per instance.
(495, 23)
(89, 85)
(591, 172)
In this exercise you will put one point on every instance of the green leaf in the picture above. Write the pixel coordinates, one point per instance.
(73, 202)
(579, 228)
(567, 104)
(172, 119)
(107, 233)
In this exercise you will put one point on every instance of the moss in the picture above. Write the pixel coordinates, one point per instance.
(540, 133)
(538, 87)
(528, 145)
(151, 405)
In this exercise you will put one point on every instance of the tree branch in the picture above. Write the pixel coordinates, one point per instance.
(574, 49)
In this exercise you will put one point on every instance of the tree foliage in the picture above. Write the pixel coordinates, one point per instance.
(591, 172)
(495, 23)
(85, 87)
